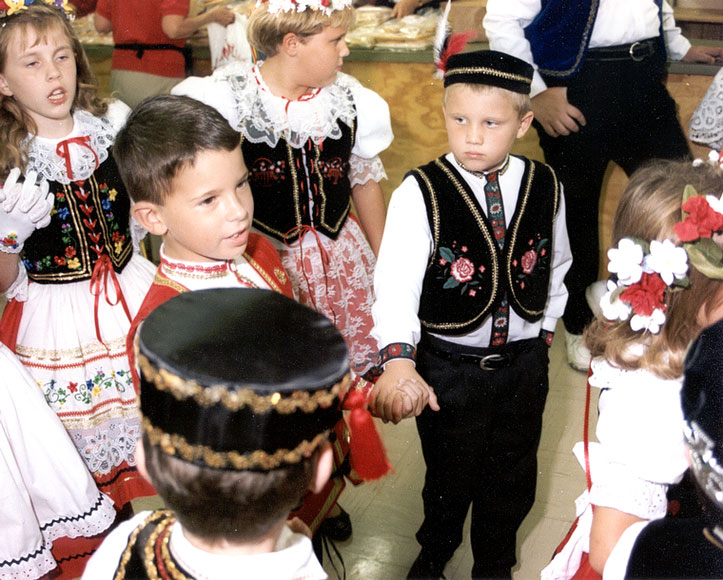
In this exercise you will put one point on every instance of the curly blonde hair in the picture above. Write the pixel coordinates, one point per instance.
(266, 31)
(15, 123)
(648, 210)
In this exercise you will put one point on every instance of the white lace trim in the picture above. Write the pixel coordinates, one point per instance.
(706, 124)
(96, 520)
(35, 566)
(362, 170)
(43, 158)
(18, 290)
(265, 118)
(606, 376)
(617, 488)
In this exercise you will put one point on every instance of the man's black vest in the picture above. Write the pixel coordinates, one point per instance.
(467, 274)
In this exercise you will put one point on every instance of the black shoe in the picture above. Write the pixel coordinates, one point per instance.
(425, 567)
(337, 528)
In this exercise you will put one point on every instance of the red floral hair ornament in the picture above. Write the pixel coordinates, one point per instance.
(10, 7)
(702, 219)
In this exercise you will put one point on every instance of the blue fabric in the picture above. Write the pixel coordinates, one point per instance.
(559, 35)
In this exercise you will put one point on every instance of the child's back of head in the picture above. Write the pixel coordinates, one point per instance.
(234, 411)
(164, 135)
(661, 308)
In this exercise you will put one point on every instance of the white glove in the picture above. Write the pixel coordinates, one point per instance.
(24, 207)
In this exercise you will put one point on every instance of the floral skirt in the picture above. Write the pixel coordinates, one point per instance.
(45, 489)
(336, 278)
(87, 381)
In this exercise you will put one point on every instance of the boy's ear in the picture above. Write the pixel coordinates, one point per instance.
(5, 87)
(149, 216)
(323, 468)
(141, 460)
(290, 44)
(525, 123)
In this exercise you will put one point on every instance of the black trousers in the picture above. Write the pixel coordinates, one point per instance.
(480, 448)
(631, 119)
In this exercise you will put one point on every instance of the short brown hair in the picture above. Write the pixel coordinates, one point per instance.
(214, 504)
(162, 136)
(15, 122)
(266, 31)
(519, 101)
(648, 210)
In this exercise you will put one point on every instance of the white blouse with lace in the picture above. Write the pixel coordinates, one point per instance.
(240, 94)
(639, 453)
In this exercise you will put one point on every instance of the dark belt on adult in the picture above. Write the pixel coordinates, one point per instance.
(140, 48)
(636, 52)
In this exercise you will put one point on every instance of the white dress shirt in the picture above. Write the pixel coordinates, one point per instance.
(617, 22)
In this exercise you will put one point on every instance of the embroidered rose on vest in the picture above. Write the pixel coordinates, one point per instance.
(266, 172)
(462, 269)
(458, 271)
(528, 261)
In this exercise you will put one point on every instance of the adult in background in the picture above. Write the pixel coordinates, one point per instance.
(598, 95)
(150, 54)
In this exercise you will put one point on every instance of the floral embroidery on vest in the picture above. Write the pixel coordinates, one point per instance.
(458, 270)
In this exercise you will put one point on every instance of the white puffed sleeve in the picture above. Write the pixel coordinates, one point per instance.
(117, 114)
(374, 135)
(214, 91)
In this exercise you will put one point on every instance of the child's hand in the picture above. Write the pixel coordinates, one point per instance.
(400, 392)
(221, 14)
(24, 207)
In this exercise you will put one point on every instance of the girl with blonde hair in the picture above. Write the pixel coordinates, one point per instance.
(667, 267)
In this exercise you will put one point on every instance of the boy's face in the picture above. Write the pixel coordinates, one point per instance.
(481, 127)
(208, 214)
(321, 56)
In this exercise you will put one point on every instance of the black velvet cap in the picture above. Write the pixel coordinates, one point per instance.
(702, 403)
(489, 67)
(239, 378)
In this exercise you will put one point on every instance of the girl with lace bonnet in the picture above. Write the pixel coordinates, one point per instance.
(311, 139)
(69, 261)
(667, 281)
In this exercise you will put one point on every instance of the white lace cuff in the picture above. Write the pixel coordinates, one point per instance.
(362, 170)
(706, 124)
(18, 290)
(616, 488)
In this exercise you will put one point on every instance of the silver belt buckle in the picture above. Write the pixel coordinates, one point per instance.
(632, 52)
(483, 362)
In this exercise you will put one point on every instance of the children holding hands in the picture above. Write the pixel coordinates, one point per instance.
(311, 139)
(469, 287)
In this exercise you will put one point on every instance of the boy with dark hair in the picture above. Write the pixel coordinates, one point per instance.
(236, 421)
(469, 286)
(183, 167)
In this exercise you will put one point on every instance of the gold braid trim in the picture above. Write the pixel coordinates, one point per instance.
(488, 71)
(176, 445)
(237, 399)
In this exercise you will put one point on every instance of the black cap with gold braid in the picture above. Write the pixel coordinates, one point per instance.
(489, 67)
(240, 378)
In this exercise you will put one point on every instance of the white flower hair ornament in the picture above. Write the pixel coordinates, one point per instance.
(324, 6)
(644, 271)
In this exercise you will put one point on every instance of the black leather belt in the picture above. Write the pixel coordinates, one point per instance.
(637, 51)
(487, 362)
(140, 48)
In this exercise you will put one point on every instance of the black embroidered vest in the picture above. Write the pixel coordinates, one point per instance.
(281, 177)
(467, 274)
(90, 218)
(147, 554)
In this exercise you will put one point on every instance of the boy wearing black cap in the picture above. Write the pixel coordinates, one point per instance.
(236, 421)
(469, 282)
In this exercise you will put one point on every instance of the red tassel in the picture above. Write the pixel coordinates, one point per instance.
(366, 454)
(454, 45)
